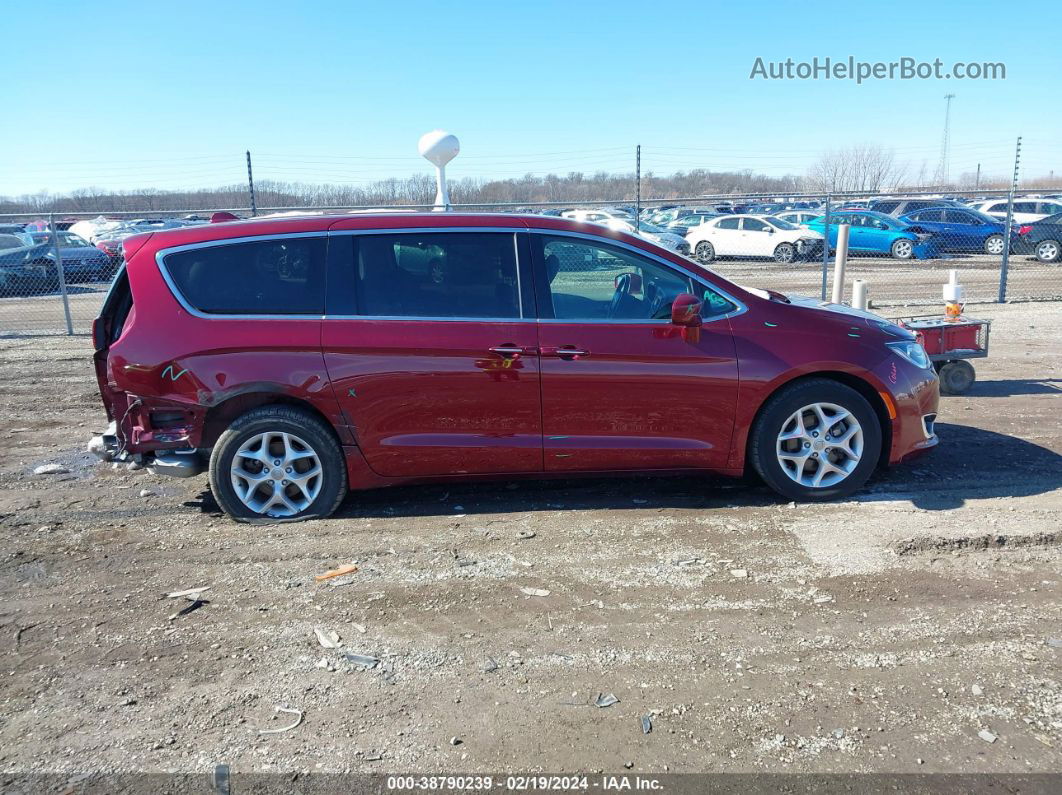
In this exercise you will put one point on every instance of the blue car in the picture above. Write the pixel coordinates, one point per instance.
(959, 229)
(82, 261)
(878, 233)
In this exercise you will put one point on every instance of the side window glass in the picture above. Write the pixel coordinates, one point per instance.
(284, 276)
(728, 223)
(596, 281)
(755, 225)
(715, 304)
(440, 274)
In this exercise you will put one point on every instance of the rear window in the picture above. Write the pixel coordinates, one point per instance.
(269, 277)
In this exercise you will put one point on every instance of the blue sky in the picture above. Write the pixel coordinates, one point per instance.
(169, 95)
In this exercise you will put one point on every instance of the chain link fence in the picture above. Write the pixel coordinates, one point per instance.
(54, 270)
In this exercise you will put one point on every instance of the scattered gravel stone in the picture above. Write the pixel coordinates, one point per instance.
(987, 736)
(51, 469)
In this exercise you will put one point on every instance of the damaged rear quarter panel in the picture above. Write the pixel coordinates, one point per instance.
(174, 365)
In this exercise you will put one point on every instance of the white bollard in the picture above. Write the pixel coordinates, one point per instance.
(840, 260)
(859, 294)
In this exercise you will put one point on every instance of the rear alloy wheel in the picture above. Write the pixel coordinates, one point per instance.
(785, 253)
(277, 462)
(816, 440)
(902, 249)
(1048, 250)
(704, 251)
(994, 244)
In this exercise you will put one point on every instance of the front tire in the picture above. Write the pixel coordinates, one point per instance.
(902, 249)
(704, 251)
(994, 244)
(278, 462)
(1048, 251)
(785, 253)
(815, 440)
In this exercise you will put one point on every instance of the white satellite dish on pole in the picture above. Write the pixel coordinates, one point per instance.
(439, 148)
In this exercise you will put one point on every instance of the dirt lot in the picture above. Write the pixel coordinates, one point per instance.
(915, 628)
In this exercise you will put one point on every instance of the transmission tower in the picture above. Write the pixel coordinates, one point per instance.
(942, 169)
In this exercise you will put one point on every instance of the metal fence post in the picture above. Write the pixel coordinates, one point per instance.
(60, 271)
(826, 248)
(1005, 262)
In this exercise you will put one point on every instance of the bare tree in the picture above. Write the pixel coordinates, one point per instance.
(866, 168)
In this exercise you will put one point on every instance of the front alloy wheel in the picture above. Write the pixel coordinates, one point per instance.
(820, 445)
(903, 249)
(785, 253)
(994, 244)
(815, 439)
(704, 251)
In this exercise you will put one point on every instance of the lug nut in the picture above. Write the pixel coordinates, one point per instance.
(288, 470)
(807, 444)
(283, 483)
(276, 463)
(814, 434)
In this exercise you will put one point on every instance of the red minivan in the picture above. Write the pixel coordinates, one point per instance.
(296, 358)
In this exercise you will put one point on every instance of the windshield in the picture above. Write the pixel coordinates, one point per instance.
(653, 230)
(779, 223)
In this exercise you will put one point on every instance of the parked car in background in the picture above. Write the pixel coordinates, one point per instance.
(24, 266)
(798, 217)
(681, 226)
(226, 350)
(898, 207)
(672, 241)
(82, 262)
(1042, 238)
(1026, 211)
(959, 229)
(753, 236)
(878, 233)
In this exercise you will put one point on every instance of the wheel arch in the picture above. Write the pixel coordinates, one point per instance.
(851, 380)
(219, 416)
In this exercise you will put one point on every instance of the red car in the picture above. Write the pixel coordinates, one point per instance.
(294, 359)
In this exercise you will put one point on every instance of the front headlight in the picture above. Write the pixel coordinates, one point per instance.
(912, 352)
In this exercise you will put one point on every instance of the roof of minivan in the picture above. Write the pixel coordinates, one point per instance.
(254, 227)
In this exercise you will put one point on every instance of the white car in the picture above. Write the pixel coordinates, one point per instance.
(618, 223)
(798, 217)
(1026, 211)
(760, 236)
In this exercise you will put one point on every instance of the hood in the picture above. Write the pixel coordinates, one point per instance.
(847, 314)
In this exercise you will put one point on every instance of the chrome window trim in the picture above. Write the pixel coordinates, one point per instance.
(162, 253)
(741, 306)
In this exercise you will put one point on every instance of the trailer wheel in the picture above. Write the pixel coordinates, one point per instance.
(956, 377)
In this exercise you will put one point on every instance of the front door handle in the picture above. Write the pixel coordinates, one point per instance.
(567, 352)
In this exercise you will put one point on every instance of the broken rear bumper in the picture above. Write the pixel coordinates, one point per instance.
(174, 463)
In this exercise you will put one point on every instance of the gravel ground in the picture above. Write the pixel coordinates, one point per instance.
(912, 629)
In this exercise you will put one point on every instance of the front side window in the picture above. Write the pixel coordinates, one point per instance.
(961, 217)
(284, 276)
(436, 274)
(596, 281)
(886, 207)
(754, 225)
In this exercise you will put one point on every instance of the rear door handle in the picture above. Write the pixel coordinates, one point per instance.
(510, 351)
(566, 352)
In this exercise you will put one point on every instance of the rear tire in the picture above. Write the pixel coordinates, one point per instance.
(311, 437)
(806, 428)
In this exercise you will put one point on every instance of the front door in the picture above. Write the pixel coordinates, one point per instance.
(430, 346)
(622, 388)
